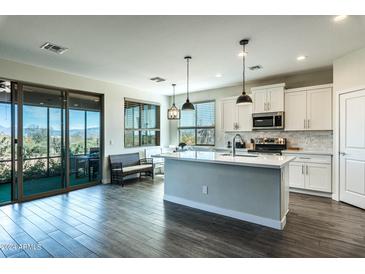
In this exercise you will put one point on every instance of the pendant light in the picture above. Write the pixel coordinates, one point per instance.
(173, 113)
(243, 99)
(187, 105)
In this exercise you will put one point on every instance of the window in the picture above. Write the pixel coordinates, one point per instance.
(197, 127)
(141, 124)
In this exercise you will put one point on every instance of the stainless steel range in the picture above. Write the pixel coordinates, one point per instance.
(269, 145)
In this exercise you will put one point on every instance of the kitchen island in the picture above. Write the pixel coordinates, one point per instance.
(248, 187)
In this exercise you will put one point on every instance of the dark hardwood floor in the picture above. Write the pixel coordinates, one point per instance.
(111, 221)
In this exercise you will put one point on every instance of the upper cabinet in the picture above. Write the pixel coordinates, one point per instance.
(235, 117)
(309, 108)
(268, 98)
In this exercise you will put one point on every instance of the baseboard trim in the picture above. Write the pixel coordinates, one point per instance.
(311, 192)
(228, 212)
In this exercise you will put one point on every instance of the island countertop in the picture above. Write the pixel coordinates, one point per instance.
(253, 160)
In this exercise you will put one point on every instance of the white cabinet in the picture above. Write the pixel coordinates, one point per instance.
(235, 117)
(318, 177)
(309, 108)
(295, 110)
(311, 173)
(228, 115)
(275, 99)
(259, 98)
(296, 175)
(319, 109)
(268, 98)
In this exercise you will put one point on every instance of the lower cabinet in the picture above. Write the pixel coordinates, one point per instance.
(318, 177)
(296, 175)
(311, 174)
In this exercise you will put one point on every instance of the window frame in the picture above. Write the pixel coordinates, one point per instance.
(141, 129)
(196, 127)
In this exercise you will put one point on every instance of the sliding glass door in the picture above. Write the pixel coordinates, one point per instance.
(6, 165)
(50, 141)
(43, 140)
(84, 138)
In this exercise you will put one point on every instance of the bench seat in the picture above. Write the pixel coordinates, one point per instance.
(122, 165)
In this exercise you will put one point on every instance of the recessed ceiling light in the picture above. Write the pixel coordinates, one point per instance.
(339, 18)
(218, 75)
(301, 57)
(242, 53)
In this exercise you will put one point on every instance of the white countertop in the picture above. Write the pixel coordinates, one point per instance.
(265, 161)
(313, 152)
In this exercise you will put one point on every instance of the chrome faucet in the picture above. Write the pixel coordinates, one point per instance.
(234, 143)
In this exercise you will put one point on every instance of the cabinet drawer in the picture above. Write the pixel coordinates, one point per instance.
(310, 158)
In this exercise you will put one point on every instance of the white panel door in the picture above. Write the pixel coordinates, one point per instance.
(228, 114)
(275, 99)
(259, 101)
(352, 148)
(318, 177)
(319, 109)
(244, 117)
(295, 110)
(297, 175)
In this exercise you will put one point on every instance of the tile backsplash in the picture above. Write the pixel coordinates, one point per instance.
(307, 140)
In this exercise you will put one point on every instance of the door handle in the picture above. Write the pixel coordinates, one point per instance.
(302, 169)
(306, 169)
(342, 153)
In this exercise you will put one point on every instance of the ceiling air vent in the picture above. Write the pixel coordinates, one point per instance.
(54, 48)
(257, 67)
(157, 79)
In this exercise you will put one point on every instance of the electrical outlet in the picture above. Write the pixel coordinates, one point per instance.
(205, 190)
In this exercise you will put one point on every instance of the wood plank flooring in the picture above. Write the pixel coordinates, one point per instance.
(134, 221)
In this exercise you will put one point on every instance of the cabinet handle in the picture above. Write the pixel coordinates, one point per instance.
(304, 124)
(308, 125)
(269, 106)
(265, 106)
(306, 167)
(302, 169)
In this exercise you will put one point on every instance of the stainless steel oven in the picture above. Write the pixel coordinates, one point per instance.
(270, 120)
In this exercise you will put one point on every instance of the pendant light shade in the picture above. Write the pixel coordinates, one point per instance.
(173, 113)
(187, 105)
(243, 99)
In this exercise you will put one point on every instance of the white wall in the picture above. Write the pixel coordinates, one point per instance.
(348, 75)
(113, 95)
(295, 80)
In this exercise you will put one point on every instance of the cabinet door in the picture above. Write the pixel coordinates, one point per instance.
(319, 109)
(259, 101)
(228, 115)
(244, 117)
(296, 175)
(295, 110)
(318, 177)
(275, 99)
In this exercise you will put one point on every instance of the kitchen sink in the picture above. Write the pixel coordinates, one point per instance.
(240, 155)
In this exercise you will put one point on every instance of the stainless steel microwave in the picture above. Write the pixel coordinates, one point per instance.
(270, 120)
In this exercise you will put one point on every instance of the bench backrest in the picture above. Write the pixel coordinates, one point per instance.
(130, 159)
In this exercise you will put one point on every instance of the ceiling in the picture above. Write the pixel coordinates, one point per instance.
(129, 50)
